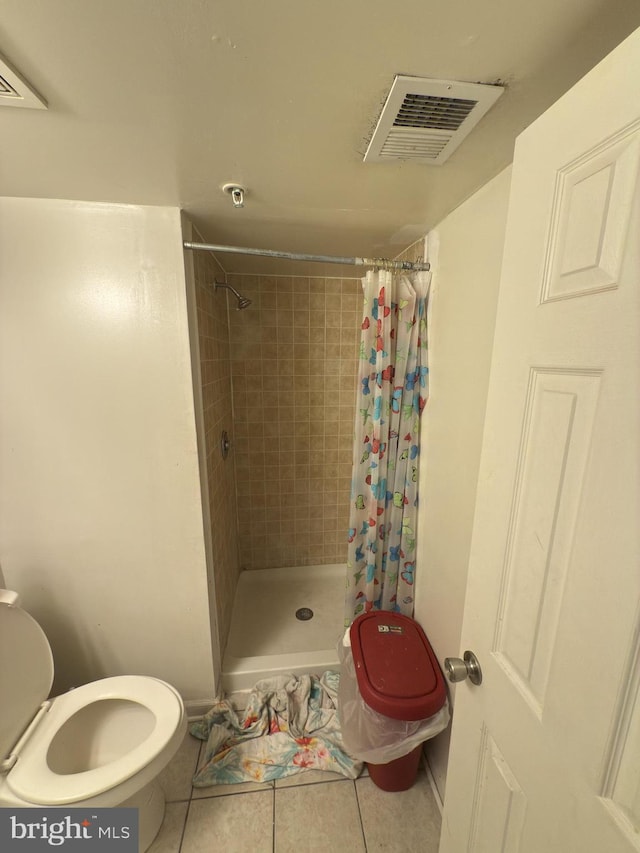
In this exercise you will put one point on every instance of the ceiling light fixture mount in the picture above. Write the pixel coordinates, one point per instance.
(236, 192)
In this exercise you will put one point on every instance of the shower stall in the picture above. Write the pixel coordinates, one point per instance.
(284, 620)
(275, 371)
(274, 386)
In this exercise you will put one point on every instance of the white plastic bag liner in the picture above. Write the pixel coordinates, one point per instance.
(370, 736)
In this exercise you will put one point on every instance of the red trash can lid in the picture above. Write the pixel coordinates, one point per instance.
(398, 673)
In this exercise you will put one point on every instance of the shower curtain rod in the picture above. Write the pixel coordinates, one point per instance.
(383, 263)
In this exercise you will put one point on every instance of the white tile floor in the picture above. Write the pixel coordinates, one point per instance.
(312, 811)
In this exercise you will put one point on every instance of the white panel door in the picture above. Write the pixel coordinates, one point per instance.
(545, 754)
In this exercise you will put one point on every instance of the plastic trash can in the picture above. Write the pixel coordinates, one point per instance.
(392, 696)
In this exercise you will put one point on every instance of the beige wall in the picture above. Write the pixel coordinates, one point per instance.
(100, 509)
(466, 250)
(294, 363)
(214, 414)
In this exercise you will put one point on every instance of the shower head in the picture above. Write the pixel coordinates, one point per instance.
(243, 301)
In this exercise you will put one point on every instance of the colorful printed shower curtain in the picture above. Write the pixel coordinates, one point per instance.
(392, 392)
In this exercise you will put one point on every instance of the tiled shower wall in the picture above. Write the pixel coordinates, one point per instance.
(280, 377)
(294, 369)
(215, 368)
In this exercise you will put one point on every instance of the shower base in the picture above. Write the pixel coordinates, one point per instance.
(266, 638)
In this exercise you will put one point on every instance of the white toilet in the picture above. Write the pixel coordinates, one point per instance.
(100, 745)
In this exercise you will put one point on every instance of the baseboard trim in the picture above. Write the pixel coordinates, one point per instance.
(197, 708)
(432, 782)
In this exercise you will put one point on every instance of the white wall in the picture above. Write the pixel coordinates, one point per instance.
(468, 246)
(100, 507)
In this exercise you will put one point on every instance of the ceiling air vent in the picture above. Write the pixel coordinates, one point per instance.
(15, 91)
(425, 120)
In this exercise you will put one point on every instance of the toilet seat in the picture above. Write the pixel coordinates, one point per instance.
(32, 779)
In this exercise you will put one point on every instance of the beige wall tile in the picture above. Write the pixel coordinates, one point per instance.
(293, 405)
(215, 365)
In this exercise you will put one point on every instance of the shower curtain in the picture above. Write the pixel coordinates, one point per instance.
(392, 392)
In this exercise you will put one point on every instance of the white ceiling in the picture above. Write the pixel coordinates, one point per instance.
(163, 101)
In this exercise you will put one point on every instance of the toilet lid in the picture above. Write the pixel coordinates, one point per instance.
(26, 672)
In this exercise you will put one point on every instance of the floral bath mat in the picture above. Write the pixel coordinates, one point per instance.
(290, 724)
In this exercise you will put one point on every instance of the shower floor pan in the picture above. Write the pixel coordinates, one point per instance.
(266, 638)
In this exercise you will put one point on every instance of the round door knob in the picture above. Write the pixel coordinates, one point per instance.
(458, 669)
